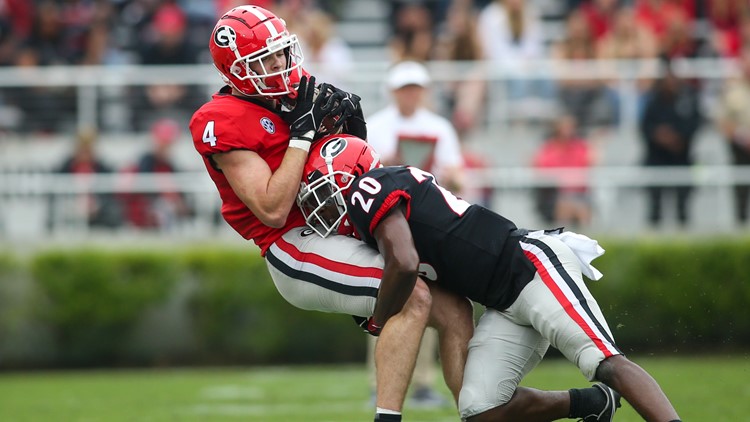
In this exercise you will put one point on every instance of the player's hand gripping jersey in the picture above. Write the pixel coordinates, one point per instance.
(470, 239)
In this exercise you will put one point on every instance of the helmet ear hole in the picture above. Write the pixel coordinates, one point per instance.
(358, 170)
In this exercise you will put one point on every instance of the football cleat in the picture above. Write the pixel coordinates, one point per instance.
(608, 412)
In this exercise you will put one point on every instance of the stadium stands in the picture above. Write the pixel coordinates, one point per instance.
(46, 98)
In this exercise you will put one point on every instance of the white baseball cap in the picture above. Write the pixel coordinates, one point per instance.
(407, 73)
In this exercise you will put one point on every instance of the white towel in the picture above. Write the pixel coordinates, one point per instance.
(584, 248)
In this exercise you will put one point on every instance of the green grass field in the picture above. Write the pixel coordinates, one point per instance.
(703, 389)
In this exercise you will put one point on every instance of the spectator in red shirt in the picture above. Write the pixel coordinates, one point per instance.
(671, 22)
(16, 19)
(568, 203)
(600, 15)
(725, 17)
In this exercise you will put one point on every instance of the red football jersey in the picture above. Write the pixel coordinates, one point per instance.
(227, 123)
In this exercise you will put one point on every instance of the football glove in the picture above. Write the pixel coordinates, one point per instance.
(368, 325)
(345, 110)
(342, 105)
(356, 125)
(305, 118)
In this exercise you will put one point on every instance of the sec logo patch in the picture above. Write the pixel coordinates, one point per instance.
(268, 125)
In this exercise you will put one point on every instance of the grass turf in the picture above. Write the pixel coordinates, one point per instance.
(702, 389)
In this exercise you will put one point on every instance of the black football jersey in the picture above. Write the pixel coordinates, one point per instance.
(466, 248)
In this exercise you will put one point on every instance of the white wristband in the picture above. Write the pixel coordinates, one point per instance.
(300, 143)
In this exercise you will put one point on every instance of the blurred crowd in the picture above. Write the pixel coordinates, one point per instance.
(505, 32)
(670, 109)
(174, 32)
(110, 33)
(163, 209)
(166, 32)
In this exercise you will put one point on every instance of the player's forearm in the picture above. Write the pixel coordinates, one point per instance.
(281, 190)
(400, 269)
(395, 289)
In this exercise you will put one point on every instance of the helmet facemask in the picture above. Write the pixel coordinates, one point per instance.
(333, 165)
(268, 83)
(322, 201)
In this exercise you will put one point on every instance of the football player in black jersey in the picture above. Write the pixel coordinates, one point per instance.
(530, 282)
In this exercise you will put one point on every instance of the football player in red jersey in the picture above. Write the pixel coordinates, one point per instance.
(254, 136)
(530, 282)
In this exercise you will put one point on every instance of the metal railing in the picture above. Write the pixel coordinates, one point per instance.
(22, 196)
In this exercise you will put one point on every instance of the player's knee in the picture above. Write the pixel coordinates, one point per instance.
(505, 390)
(420, 301)
(482, 407)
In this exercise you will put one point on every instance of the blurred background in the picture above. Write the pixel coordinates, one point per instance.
(626, 120)
(109, 86)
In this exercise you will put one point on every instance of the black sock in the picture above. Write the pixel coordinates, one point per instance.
(383, 417)
(586, 401)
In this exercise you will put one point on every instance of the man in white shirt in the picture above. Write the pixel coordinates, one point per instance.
(406, 132)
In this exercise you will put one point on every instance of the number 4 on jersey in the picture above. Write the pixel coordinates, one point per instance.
(208, 134)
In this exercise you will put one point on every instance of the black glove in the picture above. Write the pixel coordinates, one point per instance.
(304, 119)
(356, 125)
(344, 110)
(368, 325)
(343, 105)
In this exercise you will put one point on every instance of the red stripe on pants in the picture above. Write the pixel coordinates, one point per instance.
(328, 264)
(567, 305)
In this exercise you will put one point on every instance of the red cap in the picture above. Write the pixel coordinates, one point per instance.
(169, 18)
